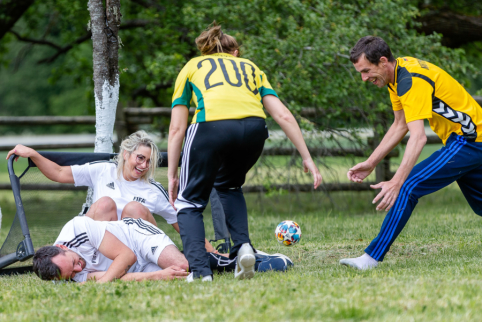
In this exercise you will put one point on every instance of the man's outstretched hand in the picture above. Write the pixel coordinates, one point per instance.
(172, 272)
(389, 193)
(359, 172)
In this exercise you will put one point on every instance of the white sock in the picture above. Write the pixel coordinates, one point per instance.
(363, 262)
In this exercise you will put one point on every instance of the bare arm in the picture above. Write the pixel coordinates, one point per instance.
(391, 139)
(288, 124)
(50, 169)
(172, 272)
(391, 189)
(169, 273)
(415, 144)
(177, 128)
(95, 276)
(123, 258)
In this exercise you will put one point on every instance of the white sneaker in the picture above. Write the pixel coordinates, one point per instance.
(362, 263)
(190, 278)
(245, 262)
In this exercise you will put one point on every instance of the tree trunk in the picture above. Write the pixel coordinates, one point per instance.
(104, 25)
(457, 29)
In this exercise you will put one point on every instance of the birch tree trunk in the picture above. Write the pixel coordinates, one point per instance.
(104, 25)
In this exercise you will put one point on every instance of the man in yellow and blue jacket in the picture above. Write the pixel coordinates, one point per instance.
(418, 90)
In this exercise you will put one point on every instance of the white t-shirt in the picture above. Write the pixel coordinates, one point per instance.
(102, 177)
(84, 235)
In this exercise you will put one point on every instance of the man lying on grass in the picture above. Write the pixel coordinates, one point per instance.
(129, 249)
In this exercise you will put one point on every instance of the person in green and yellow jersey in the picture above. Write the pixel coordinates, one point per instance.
(223, 142)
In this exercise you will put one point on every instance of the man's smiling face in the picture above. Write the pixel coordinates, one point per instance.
(376, 74)
(69, 263)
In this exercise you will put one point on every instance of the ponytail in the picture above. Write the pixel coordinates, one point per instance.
(213, 40)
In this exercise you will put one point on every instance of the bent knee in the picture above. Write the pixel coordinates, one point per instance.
(106, 204)
(136, 210)
(104, 209)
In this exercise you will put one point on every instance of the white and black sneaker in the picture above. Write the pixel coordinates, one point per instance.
(245, 262)
(190, 278)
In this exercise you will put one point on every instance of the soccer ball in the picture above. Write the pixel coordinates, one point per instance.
(288, 233)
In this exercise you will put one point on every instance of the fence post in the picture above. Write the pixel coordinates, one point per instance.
(382, 170)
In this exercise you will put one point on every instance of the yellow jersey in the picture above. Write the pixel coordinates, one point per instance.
(222, 87)
(425, 91)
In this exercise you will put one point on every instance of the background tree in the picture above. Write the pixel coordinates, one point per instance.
(303, 47)
(104, 25)
(10, 12)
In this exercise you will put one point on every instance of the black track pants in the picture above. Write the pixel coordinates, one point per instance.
(218, 154)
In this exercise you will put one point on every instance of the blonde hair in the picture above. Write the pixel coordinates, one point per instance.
(131, 144)
(213, 40)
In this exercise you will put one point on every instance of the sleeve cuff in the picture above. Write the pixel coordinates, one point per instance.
(267, 91)
(418, 117)
(180, 101)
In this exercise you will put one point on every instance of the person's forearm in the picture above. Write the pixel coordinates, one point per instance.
(288, 124)
(391, 139)
(174, 146)
(139, 276)
(280, 113)
(50, 169)
(119, 267)
(414, 147)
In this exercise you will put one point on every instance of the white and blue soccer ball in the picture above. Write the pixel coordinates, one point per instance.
(288, 233)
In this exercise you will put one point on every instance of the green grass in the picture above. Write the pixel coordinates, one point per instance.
(432, 273)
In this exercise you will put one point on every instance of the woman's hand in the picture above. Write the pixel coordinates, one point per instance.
(21, 151)
(172, 190)
(309, 165)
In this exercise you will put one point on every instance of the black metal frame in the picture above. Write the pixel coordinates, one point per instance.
(25, 247)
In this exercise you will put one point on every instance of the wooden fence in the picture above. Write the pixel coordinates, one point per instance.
(128, 120)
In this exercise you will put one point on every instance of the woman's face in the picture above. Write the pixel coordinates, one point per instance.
(137, 163)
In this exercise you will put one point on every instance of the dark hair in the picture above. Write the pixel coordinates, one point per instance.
(213, 40)
(42, 263)
(373, 48)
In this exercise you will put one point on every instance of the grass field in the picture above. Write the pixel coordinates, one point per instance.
(432, 273)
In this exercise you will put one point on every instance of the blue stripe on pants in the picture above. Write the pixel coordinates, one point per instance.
(407, 188)
(459, 159)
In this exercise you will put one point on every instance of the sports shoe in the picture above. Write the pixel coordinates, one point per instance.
(245, 262)
(190, 278)
(362, 263)
(275, 262)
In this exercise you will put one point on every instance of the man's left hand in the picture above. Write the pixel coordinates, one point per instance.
(390, 191)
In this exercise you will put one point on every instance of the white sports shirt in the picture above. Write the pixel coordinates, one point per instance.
(102, 177)
(83, 235)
